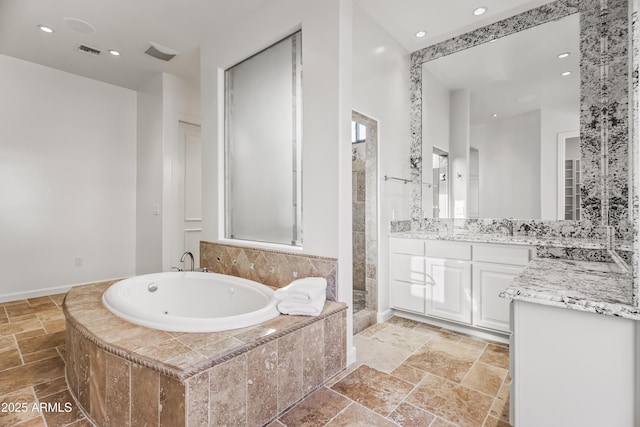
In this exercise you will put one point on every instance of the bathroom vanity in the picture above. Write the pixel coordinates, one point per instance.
(457, 281)
(575, 345)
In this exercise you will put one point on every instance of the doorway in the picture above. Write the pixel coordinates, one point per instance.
(364, 171)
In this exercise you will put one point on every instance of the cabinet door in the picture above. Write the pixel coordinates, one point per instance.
(449, 289)
(407, 296)
(491, 311)
(407, 268)
(406, 279)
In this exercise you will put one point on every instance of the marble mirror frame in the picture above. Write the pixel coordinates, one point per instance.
(604, 106)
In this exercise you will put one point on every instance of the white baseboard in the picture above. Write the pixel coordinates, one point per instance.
(34, 294)
(351, 356)
(385, 315)
(45, 291)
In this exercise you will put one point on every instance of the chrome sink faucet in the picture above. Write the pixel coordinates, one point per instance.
(184, 255)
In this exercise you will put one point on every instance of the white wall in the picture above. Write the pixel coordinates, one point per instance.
(326, 147)
(180, 102)
(149, 178)
(509, 151)
(381, 91)
(67, 179)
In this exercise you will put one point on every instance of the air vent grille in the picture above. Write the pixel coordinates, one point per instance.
(160, 52)
(89, 50)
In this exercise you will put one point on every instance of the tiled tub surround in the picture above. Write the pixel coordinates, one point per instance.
(594, 287)
(124, 374)
(269, 267)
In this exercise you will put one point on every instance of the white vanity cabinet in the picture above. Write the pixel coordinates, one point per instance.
(494, 268)
(448, 278)
(455, 281)
(407, 279)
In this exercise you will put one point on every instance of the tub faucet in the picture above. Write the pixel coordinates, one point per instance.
(184, 255)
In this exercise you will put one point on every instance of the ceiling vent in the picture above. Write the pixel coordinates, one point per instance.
(160, 52)
(89, 50)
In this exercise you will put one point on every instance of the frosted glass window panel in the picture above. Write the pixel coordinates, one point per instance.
(263, 140)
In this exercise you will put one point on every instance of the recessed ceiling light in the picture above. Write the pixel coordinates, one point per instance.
(114, 52)
(480, 11)
(45, 29)
(566, 73)
(421, 34)
(494, 115)
(564, 55)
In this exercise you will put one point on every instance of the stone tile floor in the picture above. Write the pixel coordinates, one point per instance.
(407, 374)
(412, 374)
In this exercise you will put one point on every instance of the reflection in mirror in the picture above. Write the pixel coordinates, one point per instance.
(497, 109)
(440, 183)
(569, 198)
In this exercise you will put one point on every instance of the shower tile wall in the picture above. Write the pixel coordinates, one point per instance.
(272, 268)
(358, 171)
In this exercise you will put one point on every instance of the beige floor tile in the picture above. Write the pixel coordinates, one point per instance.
(34, 422)
(316, 410)
(373, 330)
(494, 422)
(401, 337)
(439, 422)
(373, 389)
(408, 415)
(500, 408)
(65, 410)
(378, 355)
(30, 374)
(409, 373)
(42, 342)
(358, 416)
(10, 359)
(447, 359)
(435, 332)
(402, 322)
(496, 355)
(485, 378)
(12, 414)
(451, 401)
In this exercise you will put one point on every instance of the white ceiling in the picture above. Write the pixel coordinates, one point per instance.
(182, 25)
(124, 25)
(441, 19)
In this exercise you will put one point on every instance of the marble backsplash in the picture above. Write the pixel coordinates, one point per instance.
(505, 226)
(270, 267)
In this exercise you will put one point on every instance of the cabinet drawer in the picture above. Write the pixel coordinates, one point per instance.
(513, 255)
(407, 268)
(450, 250)
(407, 296)
(406, 246)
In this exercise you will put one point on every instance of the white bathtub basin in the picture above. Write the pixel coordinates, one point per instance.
(191, 301)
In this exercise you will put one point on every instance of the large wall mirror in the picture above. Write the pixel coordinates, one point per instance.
(530, 115)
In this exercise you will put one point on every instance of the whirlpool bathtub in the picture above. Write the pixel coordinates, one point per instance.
(191, 301)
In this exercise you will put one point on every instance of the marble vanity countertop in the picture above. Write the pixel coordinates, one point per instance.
(595, 287)
(543, 241)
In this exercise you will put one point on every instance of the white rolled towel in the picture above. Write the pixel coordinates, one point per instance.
(303, 290)
(312, 308)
